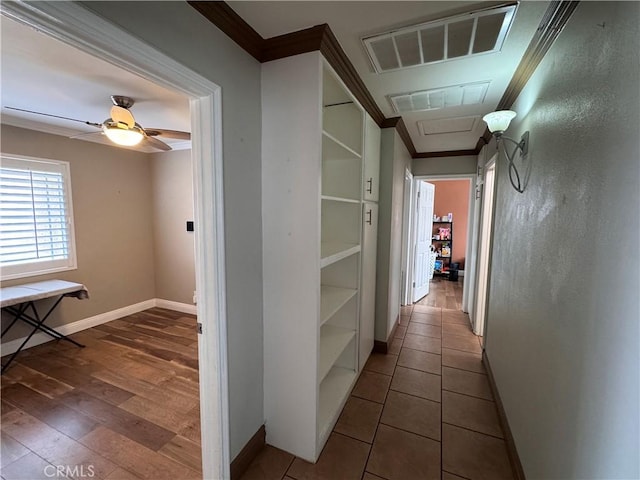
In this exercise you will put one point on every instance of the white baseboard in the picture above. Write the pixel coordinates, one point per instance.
(79, 325)
(176, 306)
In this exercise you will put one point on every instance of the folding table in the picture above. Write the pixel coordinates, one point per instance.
(19, 299)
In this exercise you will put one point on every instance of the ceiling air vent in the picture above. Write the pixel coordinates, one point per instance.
(450, 38)
(448, 125)
(445, 97)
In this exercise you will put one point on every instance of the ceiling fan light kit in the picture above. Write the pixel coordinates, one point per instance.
(126, 136)
(121, 128)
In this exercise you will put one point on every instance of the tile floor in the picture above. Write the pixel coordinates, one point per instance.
(423, 411)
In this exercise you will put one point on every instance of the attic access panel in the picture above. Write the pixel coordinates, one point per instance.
(451, 38)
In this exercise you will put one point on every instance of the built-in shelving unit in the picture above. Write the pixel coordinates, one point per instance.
(313, 142)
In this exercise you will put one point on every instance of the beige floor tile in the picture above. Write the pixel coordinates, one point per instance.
(425, 361)
(400, 331)
(462, 360)
(395, 346)
(412, 414)
(454, 316)
(456, 342)
(434, 331)
(359, 419)
(406, 309)
(427, 318)
(400, 455)
(474, 455)
(404, 320)
(381, 363)
(371, 476)
(270, 464)
(472, 413)
(467, 383)
(426, 309)
(450, 476)
(425, 344)
(372, 386)
(342, 458)
(122, 474)
(415, 382)
(458, 329)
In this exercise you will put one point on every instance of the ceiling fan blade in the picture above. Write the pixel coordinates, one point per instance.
(93, 124)
(85, 134)
(162, 132)
(122, 115)
(155, 143)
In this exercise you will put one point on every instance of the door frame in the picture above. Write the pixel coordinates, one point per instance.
(484, 238)
(469, 256)
(79, 27)
(407, 224)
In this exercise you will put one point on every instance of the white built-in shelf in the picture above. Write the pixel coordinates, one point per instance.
(333, 299)
(332, 252)
(339, 199)
(332, 148)
(333, 391)
(333, 341)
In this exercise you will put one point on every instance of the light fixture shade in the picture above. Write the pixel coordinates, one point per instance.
(499, 121)
(123, 136)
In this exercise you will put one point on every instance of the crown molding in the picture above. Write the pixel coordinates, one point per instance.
(322, 38)
(553, 22)
(232, 24)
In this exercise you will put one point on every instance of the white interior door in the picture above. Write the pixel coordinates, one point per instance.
(368, 284)
(424, 223)
(484, 251)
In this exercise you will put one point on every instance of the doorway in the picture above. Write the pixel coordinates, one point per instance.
(478, 316)
(77, 26)
(451, 238)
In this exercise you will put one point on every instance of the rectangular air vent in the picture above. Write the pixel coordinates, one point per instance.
(448, 125)
(450, 38)
(445, 97)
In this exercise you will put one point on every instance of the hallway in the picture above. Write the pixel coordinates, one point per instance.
(423, 411)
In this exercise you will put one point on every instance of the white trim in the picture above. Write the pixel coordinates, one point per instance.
(79, 325)
(74, 24)
(176, 306)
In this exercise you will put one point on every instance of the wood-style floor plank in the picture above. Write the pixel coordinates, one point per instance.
(50, 411)
(139, 460)
(127, 403)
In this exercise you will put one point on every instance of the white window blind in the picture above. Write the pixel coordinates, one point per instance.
(36, 230)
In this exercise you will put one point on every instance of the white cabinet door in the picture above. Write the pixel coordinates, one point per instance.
(371, 184)
(368, 284)
(424, 224)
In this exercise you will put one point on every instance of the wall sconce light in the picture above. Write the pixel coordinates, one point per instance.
(498, 122)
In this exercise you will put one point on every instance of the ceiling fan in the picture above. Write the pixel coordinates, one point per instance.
(121, 128)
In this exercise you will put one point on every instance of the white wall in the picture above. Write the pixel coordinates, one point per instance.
(174, 247)
(563, 320)
(394, 160)
(182, 33)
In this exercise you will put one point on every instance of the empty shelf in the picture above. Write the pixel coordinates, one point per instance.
(333, 341)
(332, 299)
(333, 393)
(331, 252)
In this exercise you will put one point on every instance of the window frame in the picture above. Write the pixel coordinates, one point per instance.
(44, 267)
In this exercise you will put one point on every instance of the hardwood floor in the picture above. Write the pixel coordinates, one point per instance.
(125, 407)
(444, 294)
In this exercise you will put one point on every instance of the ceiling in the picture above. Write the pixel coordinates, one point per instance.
(350, 21)
(42, 74)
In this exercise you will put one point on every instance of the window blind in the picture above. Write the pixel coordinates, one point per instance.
(34, 215)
